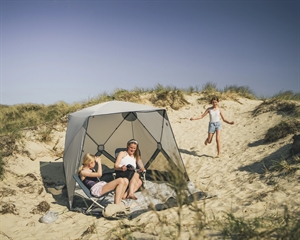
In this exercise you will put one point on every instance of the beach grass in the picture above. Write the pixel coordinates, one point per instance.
(2, 165)
(19, 116)
(283, 225)
(174, 224)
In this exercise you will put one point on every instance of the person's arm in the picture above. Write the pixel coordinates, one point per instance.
(141, 165)
(93, 174)
(118, 160)
(222, 116)
(201, 116)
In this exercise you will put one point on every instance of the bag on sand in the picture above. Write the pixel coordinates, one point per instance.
(49, 217)
(116, 211)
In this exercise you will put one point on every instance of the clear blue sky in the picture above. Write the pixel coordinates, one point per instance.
(74, 50)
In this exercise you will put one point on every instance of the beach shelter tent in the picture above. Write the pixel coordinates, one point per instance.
(103, 128)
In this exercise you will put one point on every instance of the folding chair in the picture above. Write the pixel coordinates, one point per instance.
(86, 194)
(117, 151)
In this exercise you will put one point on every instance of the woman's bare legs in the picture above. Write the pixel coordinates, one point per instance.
(218, 140)
(119, 185)
(134, 184)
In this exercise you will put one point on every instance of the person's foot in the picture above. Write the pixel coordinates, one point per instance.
(206, 142)
(131, 196)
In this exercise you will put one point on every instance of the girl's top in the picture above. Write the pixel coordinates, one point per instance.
(128, 160)
(214, 115)
(90, 181)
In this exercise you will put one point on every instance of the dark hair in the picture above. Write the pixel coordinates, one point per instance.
(214, 99)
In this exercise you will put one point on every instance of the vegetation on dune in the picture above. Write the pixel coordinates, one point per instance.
(127, 96)
(285, 107)
(232, 92)
(2, 164)
(281, 226)
(16, 117)
(172, 224)
(284, 128)
(285, 225)
(164, 97)
(287, 95)
(290, 109)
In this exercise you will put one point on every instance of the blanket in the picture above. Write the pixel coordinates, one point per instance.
(155, 196)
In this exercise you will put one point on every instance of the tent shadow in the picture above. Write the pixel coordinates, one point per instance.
(54, 181)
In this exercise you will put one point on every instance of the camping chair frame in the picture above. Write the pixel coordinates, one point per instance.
(95, 200)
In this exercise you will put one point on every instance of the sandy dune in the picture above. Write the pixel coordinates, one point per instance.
(238, 178)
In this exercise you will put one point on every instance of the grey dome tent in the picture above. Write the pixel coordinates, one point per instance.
(103, 128)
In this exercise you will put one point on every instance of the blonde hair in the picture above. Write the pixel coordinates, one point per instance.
(86, 160)
(137, 153)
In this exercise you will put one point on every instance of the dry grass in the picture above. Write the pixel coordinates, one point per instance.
(173, 98)
(9, 208)
(284, 226)
(90, 230)
(43, 118)
(233, 92)
(42, 207)
(171, 224)
(127, 96)
(290, 110)
(287, 95)
(284, 128)
(277, 105)
(17, 117)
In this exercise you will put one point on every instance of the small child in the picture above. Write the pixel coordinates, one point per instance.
(97, 187)
(215, 125)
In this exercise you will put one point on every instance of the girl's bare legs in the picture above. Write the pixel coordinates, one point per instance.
(134, 184)
(209, 138)
(218, 140)
(119, 185)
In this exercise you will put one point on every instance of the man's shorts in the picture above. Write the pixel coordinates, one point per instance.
(214, 126)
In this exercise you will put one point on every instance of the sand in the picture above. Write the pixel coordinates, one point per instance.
(241, 179)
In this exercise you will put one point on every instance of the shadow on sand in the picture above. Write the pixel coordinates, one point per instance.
(54, 181)
(263, 165)
(193, 153)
